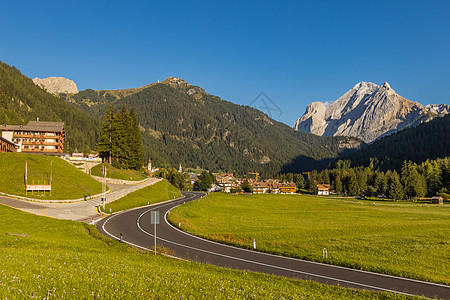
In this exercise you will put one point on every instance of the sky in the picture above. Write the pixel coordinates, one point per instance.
(286, 54)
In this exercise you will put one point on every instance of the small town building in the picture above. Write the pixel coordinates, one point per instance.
(260, 187)
(323, 189)
(437, 200)
(193, 177)
(287, 188)
(7, 146)
(36, 137)
(224, 178)
(225, 181)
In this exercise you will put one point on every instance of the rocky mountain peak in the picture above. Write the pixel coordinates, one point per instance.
(386, 85)
(56, 85)
(176, 81)
(367, 111)
(187, 87)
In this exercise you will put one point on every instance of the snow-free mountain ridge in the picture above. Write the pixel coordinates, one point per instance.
(57, 85)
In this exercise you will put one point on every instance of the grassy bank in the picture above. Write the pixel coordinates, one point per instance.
(158, 192)
(115, 173)
(57, 259)
(68, 182)
(401, 239)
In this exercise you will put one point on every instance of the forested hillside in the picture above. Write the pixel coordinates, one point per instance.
(21, 101)
(181, 123)
(427, 141)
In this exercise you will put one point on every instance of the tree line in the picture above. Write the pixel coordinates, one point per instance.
(120, 141)
(180, 180)
(430, 178)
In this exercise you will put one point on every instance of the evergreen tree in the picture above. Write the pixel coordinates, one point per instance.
(120, 139)
(299, 181)
(432, 173)
(104, 146)
(205, 180)
(413, 182)
(352, 183)
(338, 184)
(246, 186)
(394, 189)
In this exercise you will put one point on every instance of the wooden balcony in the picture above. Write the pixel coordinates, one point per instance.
(42, 150)
(38, 136)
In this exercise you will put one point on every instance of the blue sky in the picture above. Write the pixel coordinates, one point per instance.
(295, 52)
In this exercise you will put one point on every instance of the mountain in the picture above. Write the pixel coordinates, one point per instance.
(368, 112)
(181, 123)
(429, 140)
(22, 101)
(56, 85)
(438, 109)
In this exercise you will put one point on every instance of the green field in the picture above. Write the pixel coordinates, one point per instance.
(112, 172)
(409, 240)
(158, 192)
(68, 182)
(58, 259)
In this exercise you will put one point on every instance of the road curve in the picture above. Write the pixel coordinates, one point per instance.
(136, 230)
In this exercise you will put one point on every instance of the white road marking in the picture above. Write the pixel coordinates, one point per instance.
(259, 263)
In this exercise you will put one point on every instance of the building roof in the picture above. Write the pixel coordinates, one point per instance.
(323, 187)
(260, 185)
(36, 126)
(287, 184)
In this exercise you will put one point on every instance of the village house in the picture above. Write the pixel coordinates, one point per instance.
(273, 186)
(323, 189)
(260, 187)
(36, 137)
(287, 188)
(225, 181)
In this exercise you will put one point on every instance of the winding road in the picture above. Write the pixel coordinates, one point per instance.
(135, 227)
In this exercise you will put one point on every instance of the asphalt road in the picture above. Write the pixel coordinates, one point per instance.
(81, 211)
(136, 230)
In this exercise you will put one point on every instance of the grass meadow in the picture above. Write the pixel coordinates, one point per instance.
(115, 173)
(45, 258)
(158, 192)
(408, 240)
(68, 182)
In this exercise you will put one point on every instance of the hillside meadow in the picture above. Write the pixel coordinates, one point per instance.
(67, 183)
(45, 258)
(155, 193)
(115, 173)
(408, 240)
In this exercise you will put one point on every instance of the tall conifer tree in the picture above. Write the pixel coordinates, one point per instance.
(104, 146)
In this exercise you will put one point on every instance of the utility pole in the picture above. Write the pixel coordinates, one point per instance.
(110, 141)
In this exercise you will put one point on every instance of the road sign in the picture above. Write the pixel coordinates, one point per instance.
(154, 217)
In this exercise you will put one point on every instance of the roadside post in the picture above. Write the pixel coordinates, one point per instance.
(121, 237)
(325, 253)
(254, 244)
(154, 219)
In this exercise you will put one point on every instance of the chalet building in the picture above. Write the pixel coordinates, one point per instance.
(287, 188)
(274, 187)
(36, 137)
(7, 146)
(260, 187)
(323, 189)
(224, 178)
(225, 181)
